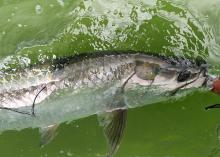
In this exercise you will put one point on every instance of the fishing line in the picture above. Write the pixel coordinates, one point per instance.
(126, 81)
(24, 112)
(14, 110)
(33, 105)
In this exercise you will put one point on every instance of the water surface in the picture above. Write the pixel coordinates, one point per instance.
(32, 32)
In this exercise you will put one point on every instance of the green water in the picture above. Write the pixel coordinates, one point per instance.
(32, 32)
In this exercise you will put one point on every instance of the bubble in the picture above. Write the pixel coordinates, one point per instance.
(69, 154)
(90, 8)
(143, 9)
(77, 108)
(61, 152)
(115, 12)
(51, 5)
(19, 25)
(38, 9)
(61, 2)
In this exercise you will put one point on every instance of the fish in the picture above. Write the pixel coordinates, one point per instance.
(103, 84)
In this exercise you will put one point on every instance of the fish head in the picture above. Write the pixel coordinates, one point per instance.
(156, 78)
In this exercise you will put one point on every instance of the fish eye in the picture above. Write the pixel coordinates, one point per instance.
(183, 76)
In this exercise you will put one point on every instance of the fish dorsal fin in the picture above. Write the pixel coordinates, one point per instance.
(48, 133)
(113, 124)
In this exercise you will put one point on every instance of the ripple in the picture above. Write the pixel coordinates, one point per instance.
(148, 26)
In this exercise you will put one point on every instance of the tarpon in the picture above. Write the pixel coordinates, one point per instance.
(69, 88)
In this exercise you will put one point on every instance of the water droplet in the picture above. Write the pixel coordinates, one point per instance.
(77, 107)
(90, 8)
(9, 20)
(3, 32)
(61, 152)
(38, 9)
(69, 154)
(120, 14)
(143, 9)
(115, 12)
(51, 5)
(12, 14)
(61, 2)
(19, 25)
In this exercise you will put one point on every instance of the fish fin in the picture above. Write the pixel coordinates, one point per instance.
(113, 124)
(213, 106)
(48, 133)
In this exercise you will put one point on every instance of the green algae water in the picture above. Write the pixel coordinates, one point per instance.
(32, 32)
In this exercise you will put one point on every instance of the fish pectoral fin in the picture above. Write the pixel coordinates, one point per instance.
(48, 133)
(113, 124)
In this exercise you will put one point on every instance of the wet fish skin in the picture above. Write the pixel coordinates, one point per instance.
(87, 73)
(105, 85)
(93, 72)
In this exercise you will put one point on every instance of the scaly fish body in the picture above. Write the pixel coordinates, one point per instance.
(91, 72)
(71, 89)
(87, 76)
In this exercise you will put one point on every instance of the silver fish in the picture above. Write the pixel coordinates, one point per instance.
(107, 85)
